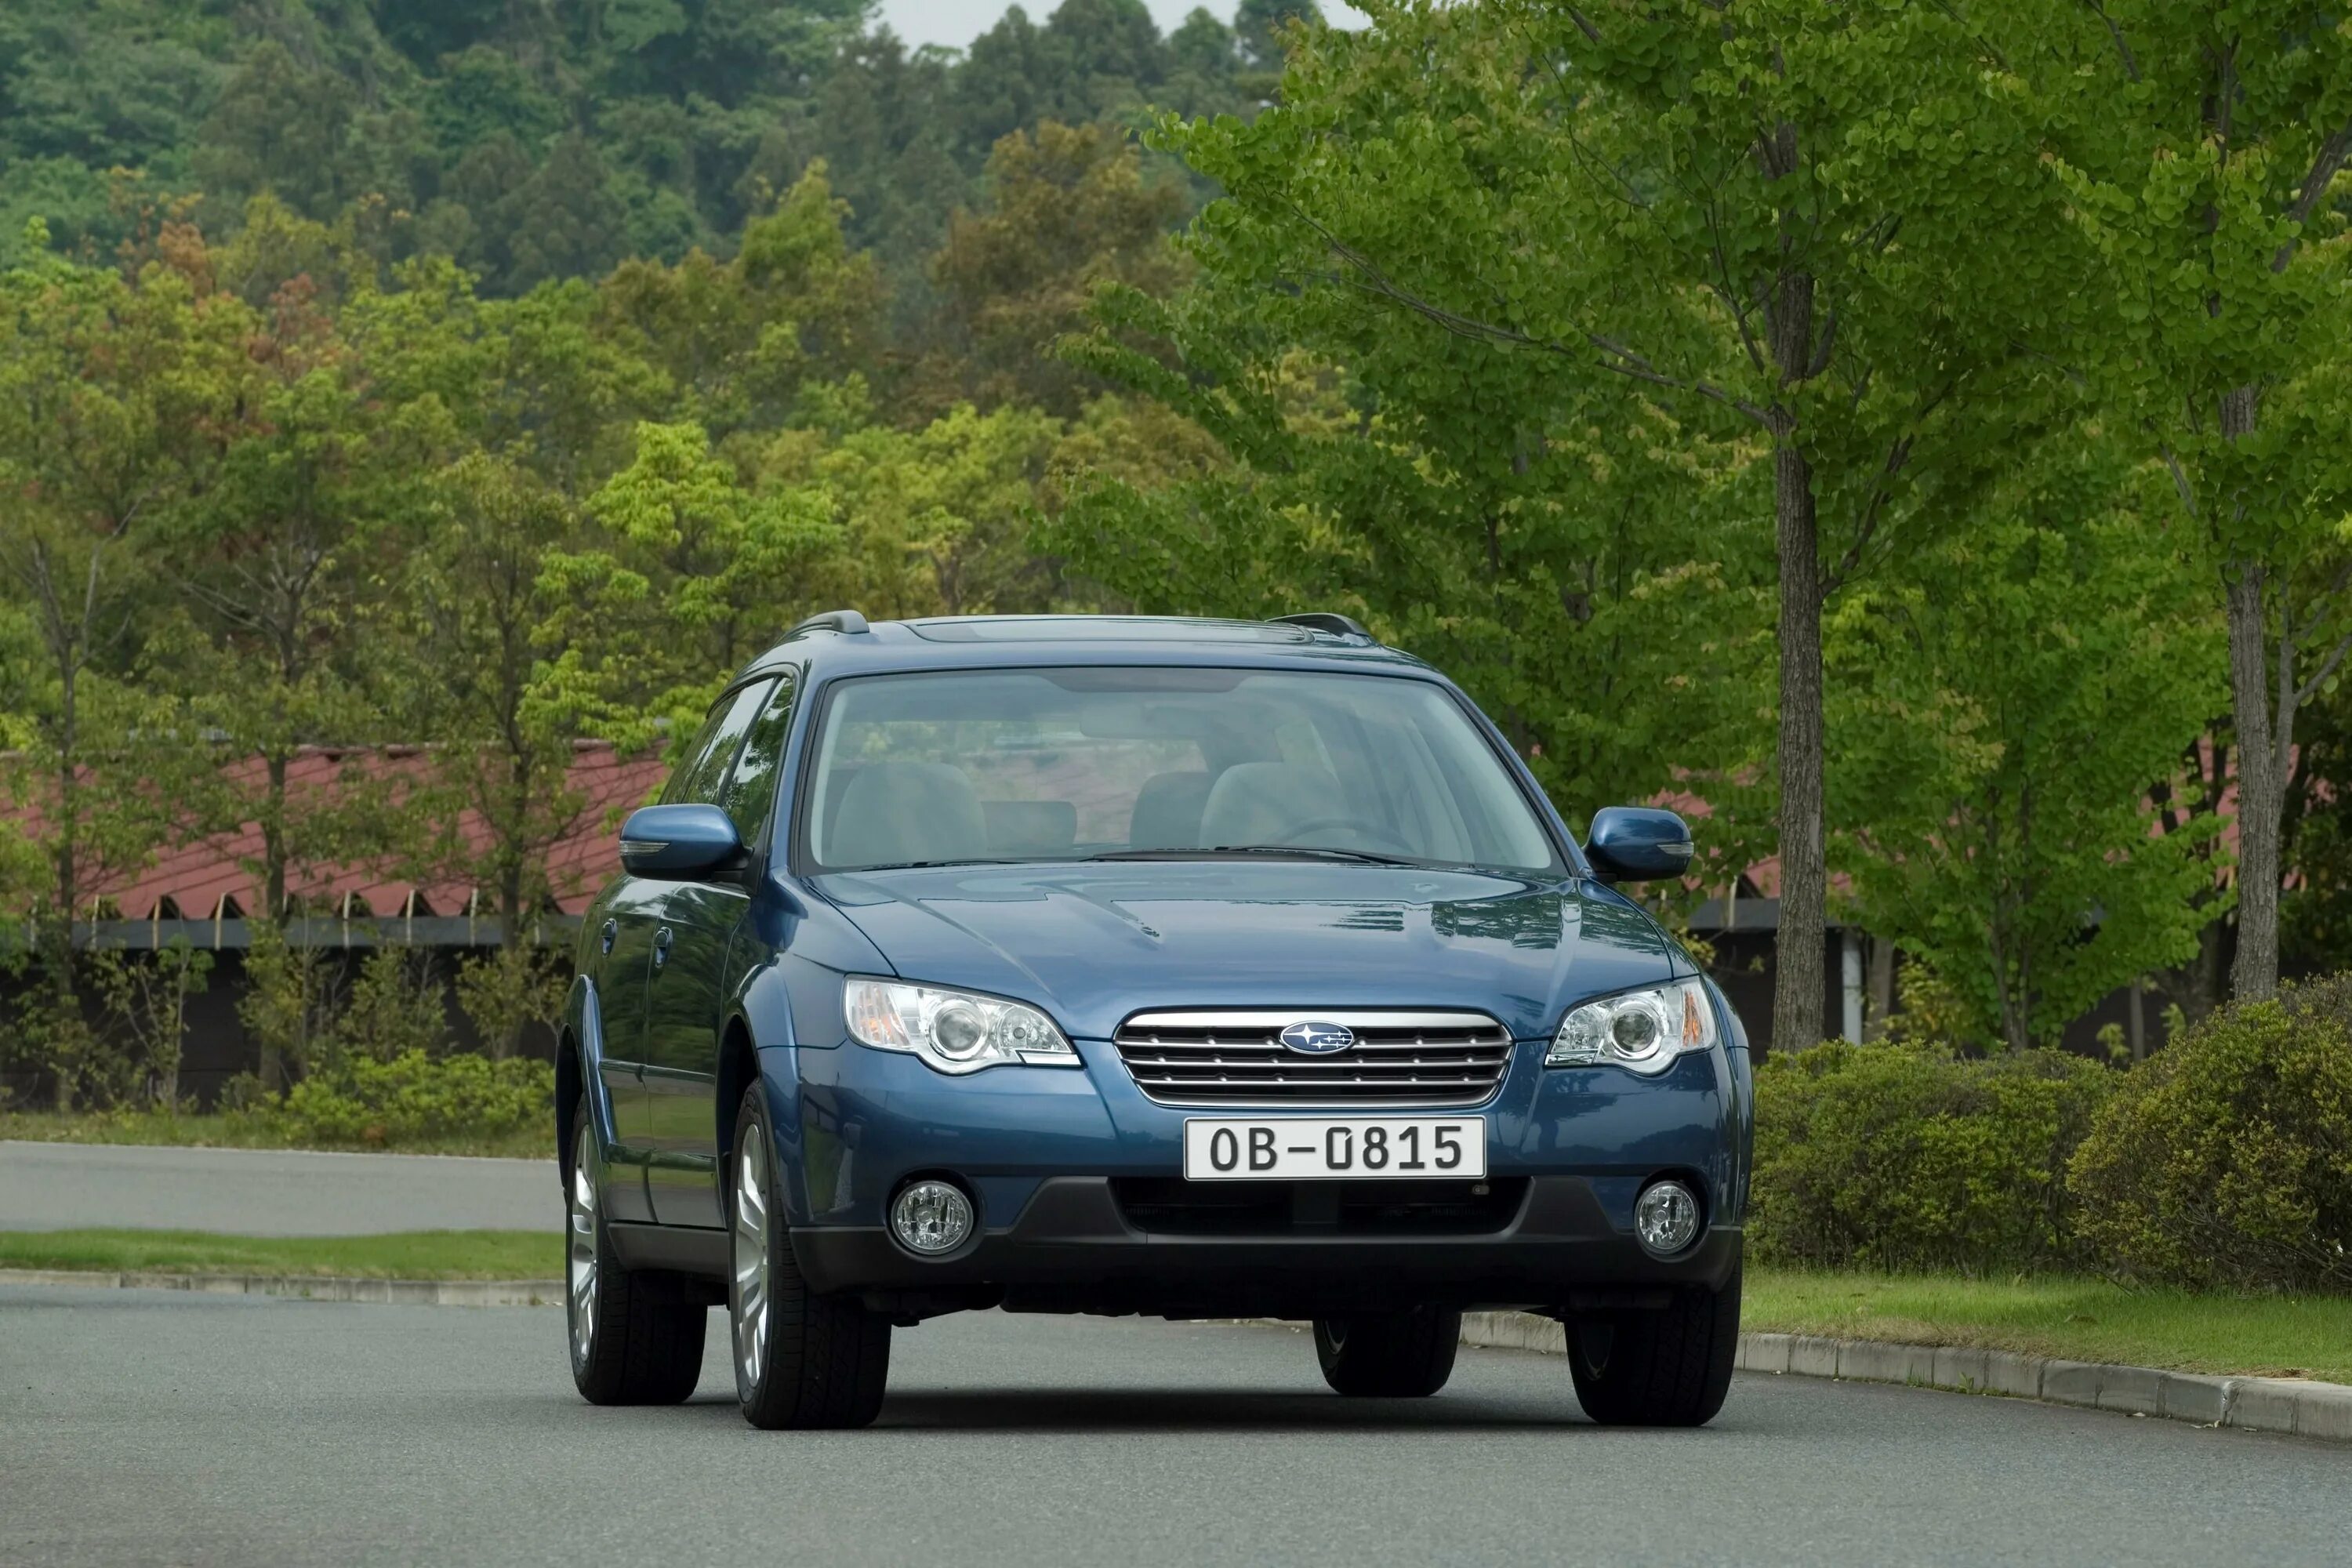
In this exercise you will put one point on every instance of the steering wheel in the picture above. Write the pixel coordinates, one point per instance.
(1363, 824)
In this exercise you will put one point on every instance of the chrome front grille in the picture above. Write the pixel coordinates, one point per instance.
(1400, 1060)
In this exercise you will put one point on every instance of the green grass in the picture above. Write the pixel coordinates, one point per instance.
(190, 1130)
(403, 1254)
(2077, 1320)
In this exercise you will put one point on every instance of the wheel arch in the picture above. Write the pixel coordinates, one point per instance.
(738, 1070)
(578, 1077)
(569, 1077)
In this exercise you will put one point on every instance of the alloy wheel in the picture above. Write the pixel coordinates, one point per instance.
(580, 1264)
(750, 1285)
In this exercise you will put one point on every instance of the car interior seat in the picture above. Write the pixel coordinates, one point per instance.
(897, 812)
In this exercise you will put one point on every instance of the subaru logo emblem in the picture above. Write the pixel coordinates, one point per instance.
(1310, 1037)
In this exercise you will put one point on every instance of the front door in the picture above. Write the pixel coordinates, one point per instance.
(689, 977)
(626, 944)
(683, 1003)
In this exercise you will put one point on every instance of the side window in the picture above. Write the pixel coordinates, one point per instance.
(699, 778)
(752, 790)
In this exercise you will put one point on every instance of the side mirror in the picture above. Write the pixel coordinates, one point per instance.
(1635, 844)
(678, 843)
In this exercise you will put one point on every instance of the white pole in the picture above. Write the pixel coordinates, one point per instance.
(1852, 966)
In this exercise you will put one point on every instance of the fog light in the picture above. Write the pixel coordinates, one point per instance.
(932, 1217)
(1665, 1219)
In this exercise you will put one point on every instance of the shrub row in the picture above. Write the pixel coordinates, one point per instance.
(1908, 1156)
(411, 1099)
(2225, 1161)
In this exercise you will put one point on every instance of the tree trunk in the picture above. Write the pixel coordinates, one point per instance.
(66, 996)
(1804, 916)
(1804, 921)
(274, 1075)
(2262, 788)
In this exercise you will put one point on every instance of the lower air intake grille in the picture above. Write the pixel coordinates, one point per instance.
(1398, 1059)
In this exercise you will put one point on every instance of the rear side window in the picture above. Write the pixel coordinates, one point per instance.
(752, 791)
(700, 777)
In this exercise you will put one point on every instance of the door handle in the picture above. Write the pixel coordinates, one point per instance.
(607, 935)
(661, 947)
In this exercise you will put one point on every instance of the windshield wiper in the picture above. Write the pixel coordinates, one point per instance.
(1285, 851)
(934, 865)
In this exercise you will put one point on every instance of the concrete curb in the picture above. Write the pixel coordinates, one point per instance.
(2294, 1405)
(382, 1292)
(2305, 1409)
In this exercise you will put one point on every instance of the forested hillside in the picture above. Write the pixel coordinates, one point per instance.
(532, 139)
(1954, 515)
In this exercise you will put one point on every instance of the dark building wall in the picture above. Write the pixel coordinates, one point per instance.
(217, 1047)
(1745, 969)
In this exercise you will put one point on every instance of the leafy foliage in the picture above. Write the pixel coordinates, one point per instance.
(1995, 803)
(145, 998)
(2227, 1159)
(1070, 212)
(2198, 148)
(538, 142)
(409, 1098)
(397, 394)
(1909, 1156)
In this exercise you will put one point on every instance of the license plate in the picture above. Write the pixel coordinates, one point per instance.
(1305, 1148)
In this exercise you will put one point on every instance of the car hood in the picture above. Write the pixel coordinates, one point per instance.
(1095, 943)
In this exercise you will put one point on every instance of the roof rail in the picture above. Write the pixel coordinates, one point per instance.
(848, 622)
(1338, 624)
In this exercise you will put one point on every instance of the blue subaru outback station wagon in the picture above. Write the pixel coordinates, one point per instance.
(1113, 964)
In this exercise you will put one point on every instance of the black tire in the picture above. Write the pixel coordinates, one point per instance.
(643, 1344)
(1657, 1368)
(1395, 1355)
(822, 1360)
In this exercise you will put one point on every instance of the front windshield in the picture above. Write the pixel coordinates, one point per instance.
(1072, 764)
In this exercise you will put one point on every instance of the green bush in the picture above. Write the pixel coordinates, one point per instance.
(412, 1098)
(2227, 1160)
(1906, 1155)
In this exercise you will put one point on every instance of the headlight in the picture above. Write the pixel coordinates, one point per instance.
(1641, 1030)
(954, 1031)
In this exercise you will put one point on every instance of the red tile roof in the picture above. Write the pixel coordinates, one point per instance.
(197, 875)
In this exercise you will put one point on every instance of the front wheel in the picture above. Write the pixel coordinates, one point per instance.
(801, 1359)
(1665, 1367)
(636, 1338)
(1395, 1355)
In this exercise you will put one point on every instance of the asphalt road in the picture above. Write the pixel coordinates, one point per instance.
(139, 1428)
(268, 1192)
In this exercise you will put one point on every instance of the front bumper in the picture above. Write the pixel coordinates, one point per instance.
(1050, 1155)
(1074, 1249)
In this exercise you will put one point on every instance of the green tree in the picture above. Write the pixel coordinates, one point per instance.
(502, 405)
(1068, 212)
(1497, 514)
(276, 564)
(688, 573)
(2004, 703)
(562, 220)
(484, 641)
(1819, 223)
(2201, 151)
(143, 999)
(106, 385)
(931, 522)
(1262, 26)
(738, 340)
